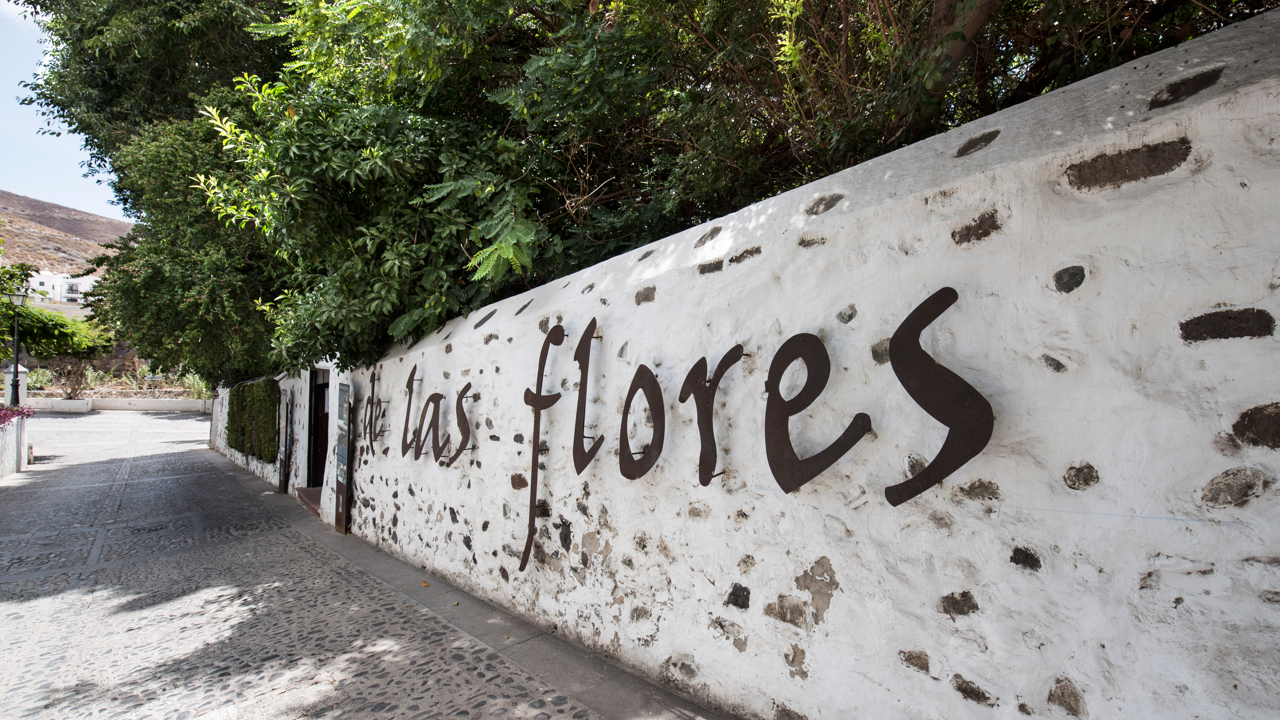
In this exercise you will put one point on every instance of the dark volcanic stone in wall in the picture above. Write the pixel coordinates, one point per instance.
(1259, 426)
(970, 690)
(711, 267)
(1234, 487)
(707, 237)
(1026, 558)
(1223, 324)
(485, 319)
(977, 142)
(957, 604)
(745, 255)
(789, 610)
(1065, 695)
(739, 597)
(880, 351)
(1180, 90)
(1081, 477)
(1053, 363)
(982, 227)
(646, 295)
(979, 490)
(1115, 169)
(823, 204)
(1069, 278)
(917, 659)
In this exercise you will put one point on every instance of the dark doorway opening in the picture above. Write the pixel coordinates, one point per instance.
(317, 428)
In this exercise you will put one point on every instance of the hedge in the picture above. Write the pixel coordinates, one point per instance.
(253, 421)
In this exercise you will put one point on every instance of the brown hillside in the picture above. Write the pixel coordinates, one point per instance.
(94, 228)
(52, 237)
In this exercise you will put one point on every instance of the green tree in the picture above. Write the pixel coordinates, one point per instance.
(422, 158)
(69, 344)
(131, 77)
(114, 66)
(182, 286)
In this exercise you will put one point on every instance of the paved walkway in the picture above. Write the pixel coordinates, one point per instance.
(144, 576)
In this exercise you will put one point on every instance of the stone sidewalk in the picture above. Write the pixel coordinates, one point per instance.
(144, 576)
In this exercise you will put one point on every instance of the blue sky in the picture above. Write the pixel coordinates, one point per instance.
(39, 166)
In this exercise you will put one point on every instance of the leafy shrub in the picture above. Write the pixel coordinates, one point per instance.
(253, 423)
(39, 378)
(196, 385)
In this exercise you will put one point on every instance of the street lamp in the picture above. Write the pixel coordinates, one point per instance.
(18, 299)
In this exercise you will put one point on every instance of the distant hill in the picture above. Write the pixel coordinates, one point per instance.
(52, 237)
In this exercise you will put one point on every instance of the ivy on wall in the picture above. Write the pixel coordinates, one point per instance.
(253, 423)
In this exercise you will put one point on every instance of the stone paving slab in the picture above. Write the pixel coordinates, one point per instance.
(143, 576)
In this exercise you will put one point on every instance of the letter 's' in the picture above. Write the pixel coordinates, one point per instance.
(941, 393)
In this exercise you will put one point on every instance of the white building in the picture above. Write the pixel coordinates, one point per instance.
(61, 287)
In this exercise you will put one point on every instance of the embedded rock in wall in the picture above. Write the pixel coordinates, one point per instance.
(983, 426)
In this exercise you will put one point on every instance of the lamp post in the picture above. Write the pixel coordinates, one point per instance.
(18, 299)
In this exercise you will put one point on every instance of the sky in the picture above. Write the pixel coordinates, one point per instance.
(39, 166)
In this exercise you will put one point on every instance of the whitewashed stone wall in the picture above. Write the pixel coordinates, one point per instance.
(293, 390)
(1113, 552)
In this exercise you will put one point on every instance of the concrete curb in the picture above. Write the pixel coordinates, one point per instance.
(143, 404)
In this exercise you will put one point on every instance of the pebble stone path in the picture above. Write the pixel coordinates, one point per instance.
(139, 578)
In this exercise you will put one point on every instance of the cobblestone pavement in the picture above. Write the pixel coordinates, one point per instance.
(140, 578)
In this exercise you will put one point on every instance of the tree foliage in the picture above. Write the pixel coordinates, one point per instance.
(114, 66)
(417, 159)
(183, 286)
(131, 77)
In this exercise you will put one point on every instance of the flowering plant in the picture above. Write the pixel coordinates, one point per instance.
(10, 413)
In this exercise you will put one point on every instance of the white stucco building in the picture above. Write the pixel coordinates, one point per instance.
(61, 287)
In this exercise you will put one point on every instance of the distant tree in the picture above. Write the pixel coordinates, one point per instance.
(131, 78)
(183, 287)
(68, 344)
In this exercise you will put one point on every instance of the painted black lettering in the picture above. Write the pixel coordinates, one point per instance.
(703, 390)
(582, 454)
(941, 393)
(539, 402)
(633, 468)
(788, 469)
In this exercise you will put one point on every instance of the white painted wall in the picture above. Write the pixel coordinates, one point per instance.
(292, 390)
(1150, 601)
(13, 447)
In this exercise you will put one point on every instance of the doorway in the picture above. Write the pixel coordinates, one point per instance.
(317, 427)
